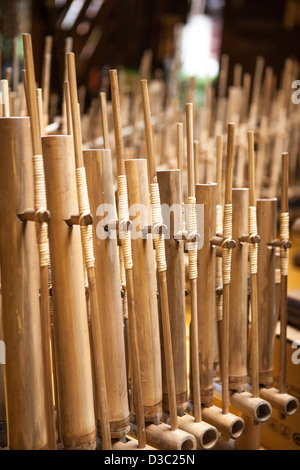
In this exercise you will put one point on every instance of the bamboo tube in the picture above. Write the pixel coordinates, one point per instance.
(159, 242)
(46, 78)
(100, 190)
(266, 227)
(255, 408)
(68, 107)
(24, 379)
(104, 121)
(88, 253)
(15, 46)
(229, 425)
(238, 321)
(258, 73)
(253, 251)
(72, 351)
(284, 258)
(5, 98)
(223, 76)
(41, 230)
(161, 263)
(219, 230)
(127, 254)
(226, 266)
(170, 195)
(3, 419)
(145, 291)
(206, 434)
(283, 402)
(206, 195)
(68, 48)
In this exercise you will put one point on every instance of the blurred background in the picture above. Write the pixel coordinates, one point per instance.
(116, 33)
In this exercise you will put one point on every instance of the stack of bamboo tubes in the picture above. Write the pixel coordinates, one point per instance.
(97, 294)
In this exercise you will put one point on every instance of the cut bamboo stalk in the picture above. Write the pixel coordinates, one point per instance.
(226, 266)
(88, 252)
(15, 51)
(266, 227)
(145, 293)
(169, 183)
(41, 229)
(5, 98)
(206, 291)
(104, 120)
(3, 418)
(253, 252)
(238, 321)
(68, 108)
(100, 190)
(71, 340)
(161, 262)
(24, 379)
(206, 434)
(127, 254)
(219, 231)
(46, 78)
(284, 258)
(161, 267)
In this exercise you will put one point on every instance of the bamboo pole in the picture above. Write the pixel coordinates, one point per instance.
(21, 320)
(170, 196)
(42, 230)
(159, 242)
(126, 244)
(46, 79)
(71, 339)
(253, 252)
(161, 263)
(101, 196)
(226, 266)
(284, 258)
(238, 321)
(144, 279)
(88, 251)
(266, 227)
(104, 121)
